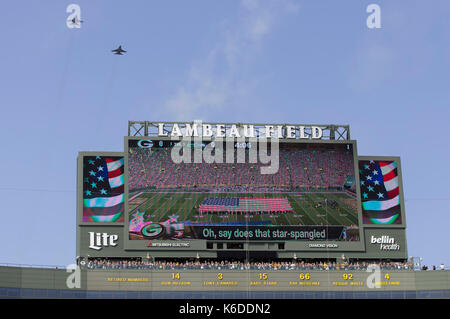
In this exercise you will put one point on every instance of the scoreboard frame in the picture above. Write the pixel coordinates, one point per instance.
(198, 249)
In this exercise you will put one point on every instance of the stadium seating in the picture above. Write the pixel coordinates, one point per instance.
(239, 265)
(316, 169)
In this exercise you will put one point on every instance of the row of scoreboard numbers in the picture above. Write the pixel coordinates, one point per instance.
(262, 279)
(303, 279)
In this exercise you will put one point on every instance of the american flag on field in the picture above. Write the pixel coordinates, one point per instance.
(247, 205)
(103, 189)
(380, 195)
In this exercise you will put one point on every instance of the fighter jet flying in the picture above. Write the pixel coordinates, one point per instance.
(119, 50)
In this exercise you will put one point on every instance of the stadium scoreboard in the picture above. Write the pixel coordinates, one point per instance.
(236, 190)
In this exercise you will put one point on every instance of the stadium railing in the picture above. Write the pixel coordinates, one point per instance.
(226, 267)
(33, 266)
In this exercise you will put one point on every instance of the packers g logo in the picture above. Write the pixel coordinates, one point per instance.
(152, 230)
(145, 144)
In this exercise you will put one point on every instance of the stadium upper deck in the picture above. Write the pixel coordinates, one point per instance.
(298, 168)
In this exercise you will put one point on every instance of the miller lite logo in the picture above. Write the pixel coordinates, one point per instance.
(99, 240)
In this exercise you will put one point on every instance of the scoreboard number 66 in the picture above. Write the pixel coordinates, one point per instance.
(303, 276)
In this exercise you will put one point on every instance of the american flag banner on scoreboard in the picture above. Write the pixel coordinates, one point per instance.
(380, 194)
(103, 189)
(249, 205)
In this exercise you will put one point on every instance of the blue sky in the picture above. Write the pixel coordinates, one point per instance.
(62, 91)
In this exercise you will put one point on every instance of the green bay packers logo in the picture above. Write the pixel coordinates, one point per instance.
(152, 230)
(145, 143)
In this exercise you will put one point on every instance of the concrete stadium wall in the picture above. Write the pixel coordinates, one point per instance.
(175, 282)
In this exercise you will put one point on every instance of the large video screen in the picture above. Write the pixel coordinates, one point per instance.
(103, 189)
(310, 197)
(380, 192)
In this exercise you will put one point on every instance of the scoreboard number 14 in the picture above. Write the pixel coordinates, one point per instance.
(176, 276)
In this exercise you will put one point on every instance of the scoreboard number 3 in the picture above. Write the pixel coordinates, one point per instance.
(220, 276)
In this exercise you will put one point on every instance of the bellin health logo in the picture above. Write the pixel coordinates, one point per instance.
(386, 242)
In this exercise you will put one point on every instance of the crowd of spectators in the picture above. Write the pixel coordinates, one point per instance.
(441, 267)
(238, 265)
(298, 168)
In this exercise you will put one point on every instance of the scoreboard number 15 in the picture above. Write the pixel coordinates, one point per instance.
(263, 276)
